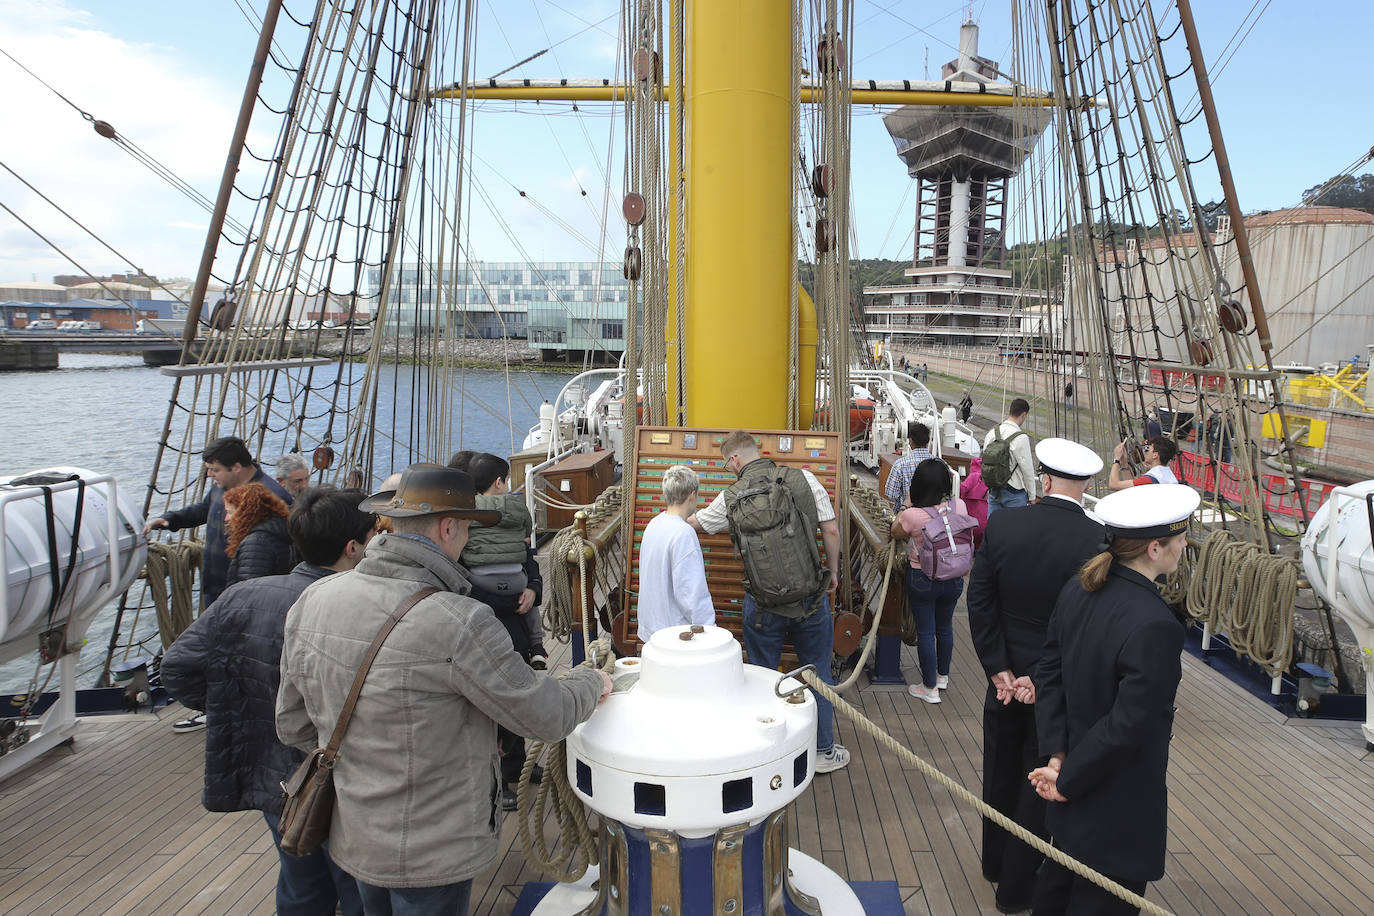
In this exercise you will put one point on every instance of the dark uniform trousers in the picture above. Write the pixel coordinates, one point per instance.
(1009, 753)
(1064, 893)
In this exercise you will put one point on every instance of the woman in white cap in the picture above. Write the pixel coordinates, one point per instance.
(1104, 703)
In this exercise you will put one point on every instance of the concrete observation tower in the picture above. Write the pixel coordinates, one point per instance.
(958, 291)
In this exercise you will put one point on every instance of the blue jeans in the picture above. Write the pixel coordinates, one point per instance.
(313, 884)
(814, 639)
(443, 900)
(932, 604)
(1006, 498)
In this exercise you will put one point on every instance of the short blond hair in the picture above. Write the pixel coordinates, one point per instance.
(680, 483)
(737, 442)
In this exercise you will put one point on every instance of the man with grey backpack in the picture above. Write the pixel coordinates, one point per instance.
(773, 513)
(1008, 467)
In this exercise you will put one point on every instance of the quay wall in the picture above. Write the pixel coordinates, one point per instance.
(487, 352)
(23, 356)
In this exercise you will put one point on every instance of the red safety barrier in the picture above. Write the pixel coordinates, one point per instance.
(1208, 476)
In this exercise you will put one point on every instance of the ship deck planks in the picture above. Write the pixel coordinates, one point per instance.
(1267, 814)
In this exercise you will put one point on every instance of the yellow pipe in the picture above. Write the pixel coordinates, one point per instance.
(809, 96)
(674, 205)
(1347, 391)
(806, 358)
(739, 231)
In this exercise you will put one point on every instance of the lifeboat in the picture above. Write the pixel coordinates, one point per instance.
(861, 406)
(67, 552)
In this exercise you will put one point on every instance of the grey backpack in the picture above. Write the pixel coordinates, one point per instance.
(782, 565)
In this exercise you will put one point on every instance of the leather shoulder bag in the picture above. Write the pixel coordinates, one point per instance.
(308, 796)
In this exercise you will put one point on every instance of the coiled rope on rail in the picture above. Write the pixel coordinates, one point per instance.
(1239, 589)
(558, 610)
(175, 564)
(964, 795)
(556, 796)
(875, 507)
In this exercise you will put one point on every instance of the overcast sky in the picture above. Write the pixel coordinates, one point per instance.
(168, 75)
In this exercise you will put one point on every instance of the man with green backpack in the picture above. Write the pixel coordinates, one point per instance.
(1008, 468)
(773, 513)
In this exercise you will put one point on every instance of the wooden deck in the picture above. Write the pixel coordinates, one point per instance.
(1267, 815)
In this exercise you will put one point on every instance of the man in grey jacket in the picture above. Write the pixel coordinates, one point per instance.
(417, 778)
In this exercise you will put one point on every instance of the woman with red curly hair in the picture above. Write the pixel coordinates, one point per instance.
(255, 528)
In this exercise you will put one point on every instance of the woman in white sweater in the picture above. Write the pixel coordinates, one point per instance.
(672, 573)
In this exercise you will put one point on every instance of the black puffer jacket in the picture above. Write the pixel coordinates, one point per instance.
(264, 551)
(228, 663)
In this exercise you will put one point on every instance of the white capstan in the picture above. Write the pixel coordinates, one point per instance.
(701, 741)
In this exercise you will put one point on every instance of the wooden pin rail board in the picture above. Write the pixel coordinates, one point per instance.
(660, 447)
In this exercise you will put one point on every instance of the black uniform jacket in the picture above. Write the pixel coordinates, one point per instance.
(1026, 557)
(1105, 694)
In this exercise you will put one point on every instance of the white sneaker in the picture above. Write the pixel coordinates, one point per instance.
(922, 692)
(836, 758)
(942, 682)
(194, 722)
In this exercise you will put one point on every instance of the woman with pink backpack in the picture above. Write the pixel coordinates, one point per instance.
(939, 535)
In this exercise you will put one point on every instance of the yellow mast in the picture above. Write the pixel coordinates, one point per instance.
(739, 222)
(739, 226)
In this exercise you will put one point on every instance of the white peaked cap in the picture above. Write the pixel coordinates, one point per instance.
(1157, 510)
(1066, 458)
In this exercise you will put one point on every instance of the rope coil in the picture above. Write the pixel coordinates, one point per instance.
(171, 573)
(1239, 589)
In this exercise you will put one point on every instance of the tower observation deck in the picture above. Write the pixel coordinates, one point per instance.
(959, 292)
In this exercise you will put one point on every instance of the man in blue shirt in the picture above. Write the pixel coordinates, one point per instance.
(899, 478)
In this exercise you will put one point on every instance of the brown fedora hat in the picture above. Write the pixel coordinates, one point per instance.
(431, 489)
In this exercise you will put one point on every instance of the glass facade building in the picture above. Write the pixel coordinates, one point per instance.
(555, 305)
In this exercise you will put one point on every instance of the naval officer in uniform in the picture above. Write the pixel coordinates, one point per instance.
(1104, 704)
(1027, 556)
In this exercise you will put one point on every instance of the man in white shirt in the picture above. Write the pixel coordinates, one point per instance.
(1020, 487)
(672, 572)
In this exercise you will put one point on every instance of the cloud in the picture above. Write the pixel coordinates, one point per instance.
(154, 97)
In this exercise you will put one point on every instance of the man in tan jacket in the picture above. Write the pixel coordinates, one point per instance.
(417, 777)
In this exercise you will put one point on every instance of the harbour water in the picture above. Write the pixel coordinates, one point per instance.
(105, 413)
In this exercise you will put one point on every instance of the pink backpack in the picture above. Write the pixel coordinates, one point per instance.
(946, 548)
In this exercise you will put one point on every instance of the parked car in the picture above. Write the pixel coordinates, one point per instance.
(74, 325)
(41, 324)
